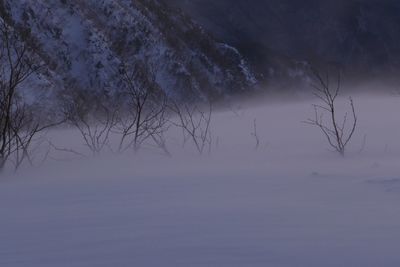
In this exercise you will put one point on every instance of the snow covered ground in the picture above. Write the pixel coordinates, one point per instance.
(292, 203)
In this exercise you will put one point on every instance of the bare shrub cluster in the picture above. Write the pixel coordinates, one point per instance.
(137, 116)
(195, 124)
(20, 126)
(337, 130)
(141, 119)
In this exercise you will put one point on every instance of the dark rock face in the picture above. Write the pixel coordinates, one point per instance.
(360, 36)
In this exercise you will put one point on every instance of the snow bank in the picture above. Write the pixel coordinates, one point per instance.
(291, 203)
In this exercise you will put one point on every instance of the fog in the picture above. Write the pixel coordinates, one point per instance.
(290, 202)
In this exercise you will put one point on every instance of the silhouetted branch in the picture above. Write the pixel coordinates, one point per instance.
(337, 132)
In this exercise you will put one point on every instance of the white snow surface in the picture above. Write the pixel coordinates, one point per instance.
(293, 203)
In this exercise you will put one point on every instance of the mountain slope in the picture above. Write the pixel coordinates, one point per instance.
(361, 36)
(84, 43)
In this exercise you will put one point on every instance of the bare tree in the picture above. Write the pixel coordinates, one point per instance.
(93, 120)
(28, 137)
(337, 132)
(195, 124)
(135, 115)
(255, 135)
(145, 116)
(19, 126)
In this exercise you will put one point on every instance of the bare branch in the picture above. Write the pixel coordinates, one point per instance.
(195, 124)
(335, 131)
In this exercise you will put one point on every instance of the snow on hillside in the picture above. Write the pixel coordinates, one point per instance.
(292, 203)
(83, 43)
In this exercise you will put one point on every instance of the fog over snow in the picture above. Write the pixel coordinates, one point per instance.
(292, 202)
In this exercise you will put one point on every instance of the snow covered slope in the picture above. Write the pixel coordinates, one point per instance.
(83, 43)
